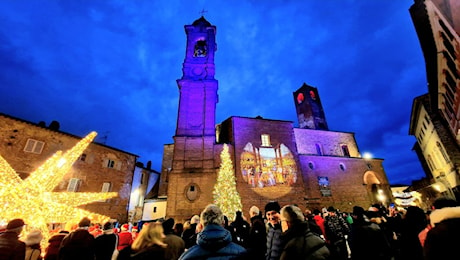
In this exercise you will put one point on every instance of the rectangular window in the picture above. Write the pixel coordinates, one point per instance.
(34, 146)
(74, 183)
(345, 150)
(106, 186)
(110, 164)
(265, 140)
(82, 157)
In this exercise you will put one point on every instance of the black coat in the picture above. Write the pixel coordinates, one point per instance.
(368, 239)
(78, 245)
(11, 247)
(153, 252)
(302, 244)
(105, 244)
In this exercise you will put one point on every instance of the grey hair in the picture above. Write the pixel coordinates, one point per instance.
(292, 213)
(254, 210)
(212, 214)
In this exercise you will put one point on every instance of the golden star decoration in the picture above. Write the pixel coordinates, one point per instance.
(33, 199)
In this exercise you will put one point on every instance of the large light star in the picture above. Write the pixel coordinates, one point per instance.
(33, 199)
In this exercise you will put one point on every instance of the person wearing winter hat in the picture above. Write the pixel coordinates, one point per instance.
(10, 245)
(135, 232)
(33, 250)
(125, 238)
(274, 243)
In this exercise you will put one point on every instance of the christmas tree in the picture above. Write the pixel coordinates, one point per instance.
(225, 194)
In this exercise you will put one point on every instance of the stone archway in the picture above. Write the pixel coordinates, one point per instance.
(374, 188)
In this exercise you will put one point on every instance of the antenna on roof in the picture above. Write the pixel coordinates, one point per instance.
(105, 137)
(202, 12)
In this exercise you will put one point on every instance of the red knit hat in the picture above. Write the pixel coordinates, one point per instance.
(124, 227)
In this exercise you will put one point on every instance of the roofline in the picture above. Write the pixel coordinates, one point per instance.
(64, 133)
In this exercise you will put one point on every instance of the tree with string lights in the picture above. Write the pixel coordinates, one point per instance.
(225, 194)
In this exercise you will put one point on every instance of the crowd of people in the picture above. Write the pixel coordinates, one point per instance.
(278, 233)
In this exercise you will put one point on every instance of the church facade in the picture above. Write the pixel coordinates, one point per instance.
(309, 165)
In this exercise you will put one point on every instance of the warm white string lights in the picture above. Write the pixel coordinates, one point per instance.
(33, 199)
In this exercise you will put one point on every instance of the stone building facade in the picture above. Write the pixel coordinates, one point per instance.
(26, 146)
(273, 160)
(435, 121)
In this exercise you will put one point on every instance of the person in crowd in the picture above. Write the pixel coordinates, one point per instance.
(257, 240)
(96, 230)
(424, 232)
(189, 235)
(274, 243)
(178, 229)
(439, 203)
(367, 239)
(394, 220)
(125, 238)
(33, 249)
(176, 245)
(413, 222)
(106, 243)
(318, 217)
(135, 232)
(443, 239)
(229, 228)
(148, 245)
(378, 214)
(78, 244)
(241, 229)
(299, 241)
(337, 231)
(310, 218)
(52, 250)
(214, 241)
(10, 245)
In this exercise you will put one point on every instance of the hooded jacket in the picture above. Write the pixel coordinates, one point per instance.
(214, 242)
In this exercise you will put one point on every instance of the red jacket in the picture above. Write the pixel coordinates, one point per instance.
(125, 238)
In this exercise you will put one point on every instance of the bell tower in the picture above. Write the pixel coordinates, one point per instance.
(192, 173)
(309, 109)
(195, 131)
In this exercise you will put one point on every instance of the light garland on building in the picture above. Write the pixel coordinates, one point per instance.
(225, 193)
(33, 199)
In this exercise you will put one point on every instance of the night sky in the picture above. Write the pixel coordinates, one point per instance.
(112, 66)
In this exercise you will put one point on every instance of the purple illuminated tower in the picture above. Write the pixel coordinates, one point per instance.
(198, 88)
(195, 132)
(191, 175)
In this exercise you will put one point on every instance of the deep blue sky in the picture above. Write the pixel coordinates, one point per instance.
(112, 66)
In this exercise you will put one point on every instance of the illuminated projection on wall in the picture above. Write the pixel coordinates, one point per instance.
(265, 167)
